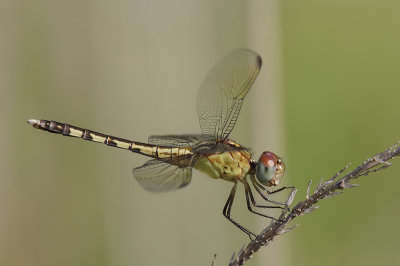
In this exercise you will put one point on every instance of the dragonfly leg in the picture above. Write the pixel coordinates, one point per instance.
(290, 193)
(227, 212)
(250, 198)
(279, 190)
(264, 192)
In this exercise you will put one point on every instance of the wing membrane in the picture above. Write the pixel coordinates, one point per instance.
(159, 176)
(181, 141)
(219, 101)
(221, 95)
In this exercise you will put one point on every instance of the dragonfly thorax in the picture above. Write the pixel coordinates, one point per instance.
(231, 165)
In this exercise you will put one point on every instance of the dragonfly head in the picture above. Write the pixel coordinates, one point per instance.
(270, 169)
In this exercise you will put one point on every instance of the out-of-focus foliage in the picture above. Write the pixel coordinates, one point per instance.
(132, 69)
(341, 74)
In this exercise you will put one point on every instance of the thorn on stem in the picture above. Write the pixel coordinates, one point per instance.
(308, 189)
(379, 160)
(291, 197)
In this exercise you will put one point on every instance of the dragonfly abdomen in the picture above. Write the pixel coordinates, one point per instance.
(154, 151)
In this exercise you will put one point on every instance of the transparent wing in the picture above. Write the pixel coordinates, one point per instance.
(181, 141)
(221, 95)
(158, 176)
(199, 144)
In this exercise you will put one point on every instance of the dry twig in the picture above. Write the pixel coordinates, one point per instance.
(327, 189)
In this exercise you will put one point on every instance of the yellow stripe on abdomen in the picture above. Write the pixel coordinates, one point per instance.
(75, 132)
(170, 152)
(96, 138)
(89, 135)
(122, 144)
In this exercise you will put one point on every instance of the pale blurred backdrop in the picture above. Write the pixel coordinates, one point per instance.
(327, 95)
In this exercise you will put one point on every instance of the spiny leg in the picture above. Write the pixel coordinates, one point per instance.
(278, 190)
(262, 192)
(292, 188)
(250, 197)
(227, 212)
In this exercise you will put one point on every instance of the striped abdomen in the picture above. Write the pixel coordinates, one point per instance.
(158, 152)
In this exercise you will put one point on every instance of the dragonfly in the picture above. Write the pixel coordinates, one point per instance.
(219, 101)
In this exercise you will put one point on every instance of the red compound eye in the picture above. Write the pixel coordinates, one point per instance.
(268, 159)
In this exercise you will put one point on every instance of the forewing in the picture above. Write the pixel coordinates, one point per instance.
(158, 176)
(181, 141)
(221, 95)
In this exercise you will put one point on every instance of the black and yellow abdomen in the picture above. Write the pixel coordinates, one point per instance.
(154, 151)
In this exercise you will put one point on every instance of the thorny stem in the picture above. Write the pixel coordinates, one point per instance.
(327, 189)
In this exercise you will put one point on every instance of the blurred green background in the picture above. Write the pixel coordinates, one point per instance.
(327, 95)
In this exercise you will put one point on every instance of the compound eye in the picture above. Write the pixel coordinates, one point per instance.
(266, 167)
(268, 159)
